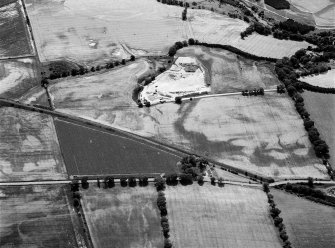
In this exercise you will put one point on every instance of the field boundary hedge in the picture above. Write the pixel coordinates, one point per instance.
(318, 89)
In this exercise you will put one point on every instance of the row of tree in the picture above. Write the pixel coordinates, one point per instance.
(285, 71)
(161, 204)
(278, 4)
(278, 221)
(309, 192)
(82, 70)
(254, 92)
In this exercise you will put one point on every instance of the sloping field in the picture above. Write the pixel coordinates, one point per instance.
(35, 216)
(91, 151)
(14, 37)
(321, 109)
(17, 77)
(326, 80)
(232, 216)
(99, 30)
(29, 148)
(323, 10)
(123, 217)
(228, 72)
(113, 88)
(308, 224)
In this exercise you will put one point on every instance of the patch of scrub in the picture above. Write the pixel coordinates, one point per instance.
(185, 77)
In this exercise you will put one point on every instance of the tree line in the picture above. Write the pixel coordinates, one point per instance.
(278, 4)
(277, 220)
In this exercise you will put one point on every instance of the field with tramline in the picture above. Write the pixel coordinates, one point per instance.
(308, 224)
(37, 216)
(93, 151)
(29, 148)
(17, 77)
(14, 36)
(211, 216)
(122, 217)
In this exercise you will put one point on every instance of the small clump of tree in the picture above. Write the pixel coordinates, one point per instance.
(184, 14)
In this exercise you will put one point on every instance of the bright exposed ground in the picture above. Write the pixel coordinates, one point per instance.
(122, 217)
(185, 77)
(308, 224)
(29, 148)
(92, 31)
(210, 216)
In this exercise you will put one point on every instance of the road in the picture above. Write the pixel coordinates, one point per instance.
(300, 181)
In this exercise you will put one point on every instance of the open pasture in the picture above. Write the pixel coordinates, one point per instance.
(92, 151)
(325, 80)
(232, 216)
(123, 217)
(308, 224)
(14, 36)
(321, 108)
(100, 30)
(228, 72)
(29, 148)
(17, 77)
(35, 216)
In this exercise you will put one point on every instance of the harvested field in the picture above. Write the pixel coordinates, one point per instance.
(92, 151)
(29, 148)
(113, 88)
(124, 217)
(308, 224)
(36, 216)
(17, 77)
(325, 80)
(125, 27)
(322, 10)
(321, 108)
(232, 216)
(228, 72)
(14, 36)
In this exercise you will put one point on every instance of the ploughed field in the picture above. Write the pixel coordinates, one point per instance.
(93, 151)
(17, 77)
(228, 72)
(325, 80)
(100, 30)
(122, 217)
(211, 216)
(29, 148)
(308, 224)
(321, 108)
(14, 36)
(36, 216)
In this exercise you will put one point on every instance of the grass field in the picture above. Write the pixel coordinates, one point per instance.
(90, 151)
(123, 217)
(308, 224)
(321, 109)
(17, 77)
(29, 148)
(14, 37)
(228, 72)
(140, 27)
(232, 216)
(326, 80)
(35, 216)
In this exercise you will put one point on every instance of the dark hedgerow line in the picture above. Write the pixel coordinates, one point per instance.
(277, 220)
